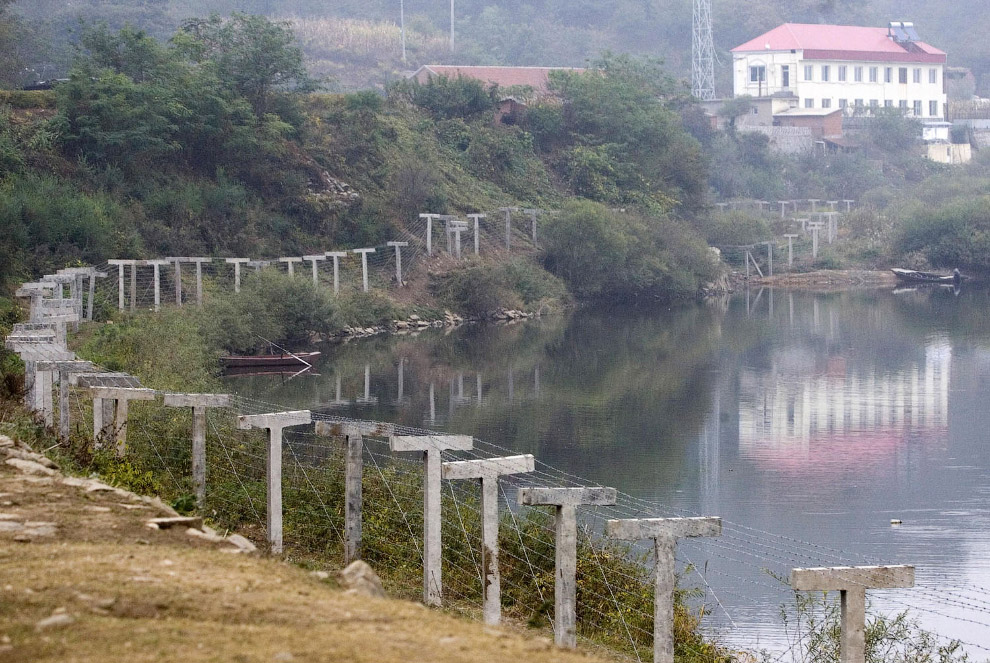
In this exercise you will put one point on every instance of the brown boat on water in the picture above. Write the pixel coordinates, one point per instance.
(289, 360)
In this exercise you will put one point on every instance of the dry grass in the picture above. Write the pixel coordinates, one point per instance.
(137, 594)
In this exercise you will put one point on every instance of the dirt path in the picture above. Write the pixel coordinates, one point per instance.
(84, 578)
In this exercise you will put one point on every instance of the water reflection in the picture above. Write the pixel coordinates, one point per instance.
(815, 417)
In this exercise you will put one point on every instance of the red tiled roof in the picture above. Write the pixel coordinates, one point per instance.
(841, 42)
(537, 78)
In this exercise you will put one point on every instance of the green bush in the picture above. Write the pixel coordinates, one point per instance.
(446, 97)
(954, 235)
(604, 254)
(736, 229)
(475, 288)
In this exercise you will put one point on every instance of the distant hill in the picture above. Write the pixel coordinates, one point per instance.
(358, 42)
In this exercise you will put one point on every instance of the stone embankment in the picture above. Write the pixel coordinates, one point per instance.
(93, 573)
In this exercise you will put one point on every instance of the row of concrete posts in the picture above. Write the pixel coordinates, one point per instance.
(42, 344)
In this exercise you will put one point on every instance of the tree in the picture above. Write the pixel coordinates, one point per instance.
(623, 142)
(251, 54)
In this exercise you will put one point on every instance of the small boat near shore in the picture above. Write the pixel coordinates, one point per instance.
(913, 276)
(290, 359)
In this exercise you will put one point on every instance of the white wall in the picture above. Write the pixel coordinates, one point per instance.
(834, 90)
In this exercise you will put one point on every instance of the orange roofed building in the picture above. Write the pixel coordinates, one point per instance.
(537, 78)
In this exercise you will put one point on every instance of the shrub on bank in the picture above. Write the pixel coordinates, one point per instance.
(954, 235)
(602, 254)
(480, 286)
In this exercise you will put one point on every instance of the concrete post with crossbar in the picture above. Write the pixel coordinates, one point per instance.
(477, 236)
(488, 471)
(398, 260)
(290, 264)
(274, 422)
(316, 269)
(429, 231)
(121, 264)
(353, 434)
(336, 255)
(431, 447)
(664, 532)
(198, 403)
(364, 265)
(566, 501)
(122, 396)
(156, 266)
(64, 369)
(852, 582)
(237, 262)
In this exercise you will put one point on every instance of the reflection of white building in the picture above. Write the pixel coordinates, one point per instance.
(844, 67)
(776, 412)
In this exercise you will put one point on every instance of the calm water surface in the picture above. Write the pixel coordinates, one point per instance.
(806, 421)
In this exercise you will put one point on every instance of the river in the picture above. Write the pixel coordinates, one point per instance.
(807, 421)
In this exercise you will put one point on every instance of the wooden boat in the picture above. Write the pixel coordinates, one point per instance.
(297, 359)
(912, 276)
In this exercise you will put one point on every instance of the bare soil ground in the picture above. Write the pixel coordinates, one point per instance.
(83, 578)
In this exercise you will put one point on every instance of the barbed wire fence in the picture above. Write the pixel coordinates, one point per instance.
(614, 608)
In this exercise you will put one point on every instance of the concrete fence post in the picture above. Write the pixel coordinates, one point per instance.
(852, 582)
(290, 264)
(364, 265)
(64, 370)
(336, 255)
(431, 447)
(477, 236)
(534, 215)
(316, 270)
(566, 501)
(815, 227)
(398, 260)
(237, 262)
(120, 280)
(429, 231)
(274, 422)
(121, 397)
(156, 265)
(508, 225)
(199, 277)
(353, 434)
(664, 532)
(198, 403)
(177, 270)
(488, 471)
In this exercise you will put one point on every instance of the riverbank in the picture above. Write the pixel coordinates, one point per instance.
(823, 280)
(87, 579)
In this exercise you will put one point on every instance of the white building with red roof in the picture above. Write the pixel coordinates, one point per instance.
(844, 67)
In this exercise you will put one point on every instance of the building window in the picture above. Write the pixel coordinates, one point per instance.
(916, 75)
(933, 108)
(757, 74)
(902, 75)
(888, 74)
(858, 74)
(809, 103)
(842, 73)
(809, 72)
(917, 109)
(826, 103)
(874, 73)
(933, 76)
(888, 103)
(874, 103)
(902, 103)
(825, 69)
(785, 76)
(843, 103)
